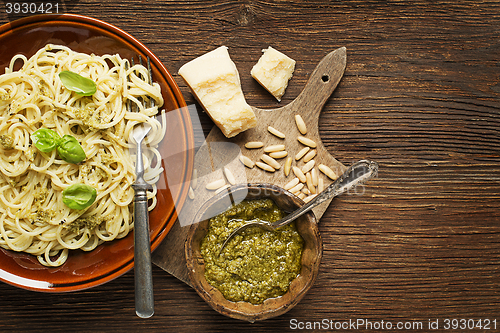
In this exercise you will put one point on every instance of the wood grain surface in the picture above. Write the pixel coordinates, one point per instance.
(420, 95)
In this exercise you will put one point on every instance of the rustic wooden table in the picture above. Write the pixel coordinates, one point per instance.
(420, 95)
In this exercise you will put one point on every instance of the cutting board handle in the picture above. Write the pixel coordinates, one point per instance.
(321, 84)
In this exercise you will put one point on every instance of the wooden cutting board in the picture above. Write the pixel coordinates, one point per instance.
(218, 152)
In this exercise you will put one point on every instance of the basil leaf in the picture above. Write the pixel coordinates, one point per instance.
(79, 196)
(70, 150)
(77, 83)
(45, 139)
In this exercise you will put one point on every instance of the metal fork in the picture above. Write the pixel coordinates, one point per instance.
(144, 300)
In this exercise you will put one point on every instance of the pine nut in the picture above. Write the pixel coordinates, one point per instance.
(300, 175)
(247, 162)
(271, 161)
(314, 177)
(264, 166)
(308, 166)
(302, 195)
(221, 189)
(306, 141)
(309, 183)
(321, 185)
(288, 165)
(309, 198)
(191, 193)
(301, 153)
(301, 125)
(271, 149)
(327, 171)
(278, 154)
(216, 184)
(309, 156)
(274, 131)
(306, 191)
(254, 144)
(297, 187)
(194, 181)
(229, 176)
(291, 184)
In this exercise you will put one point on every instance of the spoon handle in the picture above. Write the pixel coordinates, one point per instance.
(356, 174)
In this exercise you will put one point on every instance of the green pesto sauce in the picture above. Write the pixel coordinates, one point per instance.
(6, 141)
(257, 264)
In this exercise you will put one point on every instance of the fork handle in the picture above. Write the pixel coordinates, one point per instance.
(144, 301)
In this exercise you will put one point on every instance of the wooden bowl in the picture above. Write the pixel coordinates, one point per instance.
(311, 256)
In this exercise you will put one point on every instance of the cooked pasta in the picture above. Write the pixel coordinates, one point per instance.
(33, 217)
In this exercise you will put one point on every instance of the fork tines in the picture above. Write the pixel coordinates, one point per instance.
(148, 79)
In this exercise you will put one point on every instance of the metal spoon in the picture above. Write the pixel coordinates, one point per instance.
(356, 174)
(144, 302)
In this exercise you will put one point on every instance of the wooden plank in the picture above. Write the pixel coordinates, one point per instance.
(420, 95)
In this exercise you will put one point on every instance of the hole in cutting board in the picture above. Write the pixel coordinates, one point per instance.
(325, 78)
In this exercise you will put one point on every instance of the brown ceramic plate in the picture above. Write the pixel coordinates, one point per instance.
(88, 269)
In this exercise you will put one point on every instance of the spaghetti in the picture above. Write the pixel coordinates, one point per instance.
(33, 217)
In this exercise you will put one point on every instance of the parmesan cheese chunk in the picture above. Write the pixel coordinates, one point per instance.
(215, 82)
(273, 70)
